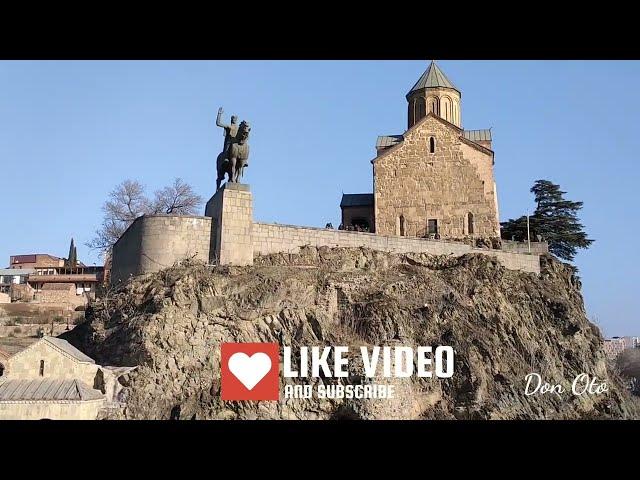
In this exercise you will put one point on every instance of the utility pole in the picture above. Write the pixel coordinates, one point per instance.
(528, 234)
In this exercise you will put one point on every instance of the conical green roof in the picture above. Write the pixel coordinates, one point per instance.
(433, 77)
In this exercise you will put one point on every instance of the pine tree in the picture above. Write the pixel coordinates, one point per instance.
(73, 255)
(555, 220)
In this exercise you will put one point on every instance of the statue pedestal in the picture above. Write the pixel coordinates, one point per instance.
(231, 212)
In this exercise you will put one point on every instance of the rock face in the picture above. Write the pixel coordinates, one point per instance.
(502, 324)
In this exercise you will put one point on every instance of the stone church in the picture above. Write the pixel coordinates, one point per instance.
(436, 179)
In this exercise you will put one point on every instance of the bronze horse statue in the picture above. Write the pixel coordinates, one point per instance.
(234, 158)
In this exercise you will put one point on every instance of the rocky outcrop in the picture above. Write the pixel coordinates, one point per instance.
(502, 324)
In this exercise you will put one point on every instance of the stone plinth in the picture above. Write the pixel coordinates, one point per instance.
(231, 212)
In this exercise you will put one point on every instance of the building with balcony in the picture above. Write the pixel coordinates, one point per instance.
(45, 278)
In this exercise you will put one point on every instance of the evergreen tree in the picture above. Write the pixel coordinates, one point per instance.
(73, 255)
(555, 220)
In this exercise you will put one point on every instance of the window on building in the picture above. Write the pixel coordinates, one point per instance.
(98, 381)
(445, 108)
(470, 223)
(419, 109)
(1, 369)
(432, 145)
(403, 231)
(433, 106)
(42, 368)
(432, 226)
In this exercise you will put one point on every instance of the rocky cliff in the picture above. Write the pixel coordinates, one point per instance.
(502, 324)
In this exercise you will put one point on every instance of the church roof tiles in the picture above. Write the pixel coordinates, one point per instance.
(433, 77)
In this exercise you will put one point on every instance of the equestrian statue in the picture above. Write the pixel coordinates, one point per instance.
(233, 158)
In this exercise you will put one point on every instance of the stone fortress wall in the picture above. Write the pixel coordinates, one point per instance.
(537, 248)
(154, 242)
(227, 235)
(273, 238)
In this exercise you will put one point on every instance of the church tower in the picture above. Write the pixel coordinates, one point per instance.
(434, 180)
(433, 92)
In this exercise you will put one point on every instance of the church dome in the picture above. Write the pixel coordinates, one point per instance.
(431, 78)
(434, 93)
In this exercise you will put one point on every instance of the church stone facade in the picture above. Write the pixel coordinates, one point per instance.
(436, 179)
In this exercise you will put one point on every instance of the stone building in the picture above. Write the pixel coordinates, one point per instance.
(43, 262)
(61, 294)
(48, 398)
(616, 345)
(46, 357)
(434, 180)
(10, 278)
(47, 378)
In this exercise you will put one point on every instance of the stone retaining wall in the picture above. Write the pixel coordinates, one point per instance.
(31, 330)
(537, 248)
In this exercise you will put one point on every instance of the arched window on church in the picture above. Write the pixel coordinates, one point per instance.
(420, 109)
(470, 223)
(433, 105)
(432, 145)
(445, 106)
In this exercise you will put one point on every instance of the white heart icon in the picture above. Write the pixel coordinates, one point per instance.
(249, 369)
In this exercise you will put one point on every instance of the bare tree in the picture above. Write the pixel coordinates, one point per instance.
(178, 199)
(128, 201)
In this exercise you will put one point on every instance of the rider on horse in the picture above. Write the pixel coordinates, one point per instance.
(235, 154)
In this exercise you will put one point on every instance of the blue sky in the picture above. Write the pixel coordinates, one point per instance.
(70, 131)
